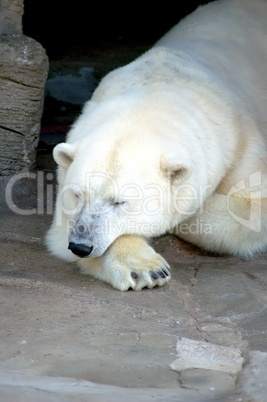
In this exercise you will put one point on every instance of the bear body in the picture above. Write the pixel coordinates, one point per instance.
(174, 142)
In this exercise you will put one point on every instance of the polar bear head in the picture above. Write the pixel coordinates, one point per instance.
(114, 187)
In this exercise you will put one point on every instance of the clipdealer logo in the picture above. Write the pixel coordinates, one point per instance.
(243, 202)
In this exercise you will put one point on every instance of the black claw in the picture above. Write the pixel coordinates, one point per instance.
(154, 275)
(165, 272)
(162, 274)
(134, 275)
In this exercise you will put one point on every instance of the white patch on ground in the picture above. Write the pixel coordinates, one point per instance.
(205, 355)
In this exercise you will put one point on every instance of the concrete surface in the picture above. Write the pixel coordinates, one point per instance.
(67, 337)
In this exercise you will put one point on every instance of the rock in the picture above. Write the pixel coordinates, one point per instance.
(74, 87)
(205, 355)
(10, 16)
(252, 380)
(23, 72)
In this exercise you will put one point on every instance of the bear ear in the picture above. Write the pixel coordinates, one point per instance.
(175, 169)
(64, 154)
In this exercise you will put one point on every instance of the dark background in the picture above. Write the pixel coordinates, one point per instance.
(59, 25)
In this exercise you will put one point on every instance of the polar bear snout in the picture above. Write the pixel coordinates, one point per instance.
(81, 250)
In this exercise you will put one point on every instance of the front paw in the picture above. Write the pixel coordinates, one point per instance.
(136, 270)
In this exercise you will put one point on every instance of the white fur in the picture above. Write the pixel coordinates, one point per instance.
(173, 142)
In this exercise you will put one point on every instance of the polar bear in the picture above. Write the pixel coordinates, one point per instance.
(174, 142)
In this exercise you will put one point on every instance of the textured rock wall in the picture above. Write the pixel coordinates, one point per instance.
(23, 73)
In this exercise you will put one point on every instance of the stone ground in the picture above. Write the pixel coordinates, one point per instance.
(68, 337)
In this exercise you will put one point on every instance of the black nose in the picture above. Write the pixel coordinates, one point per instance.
(80, 249)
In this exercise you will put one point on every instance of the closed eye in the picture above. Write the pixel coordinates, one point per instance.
(115, 202)
(118, 203)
